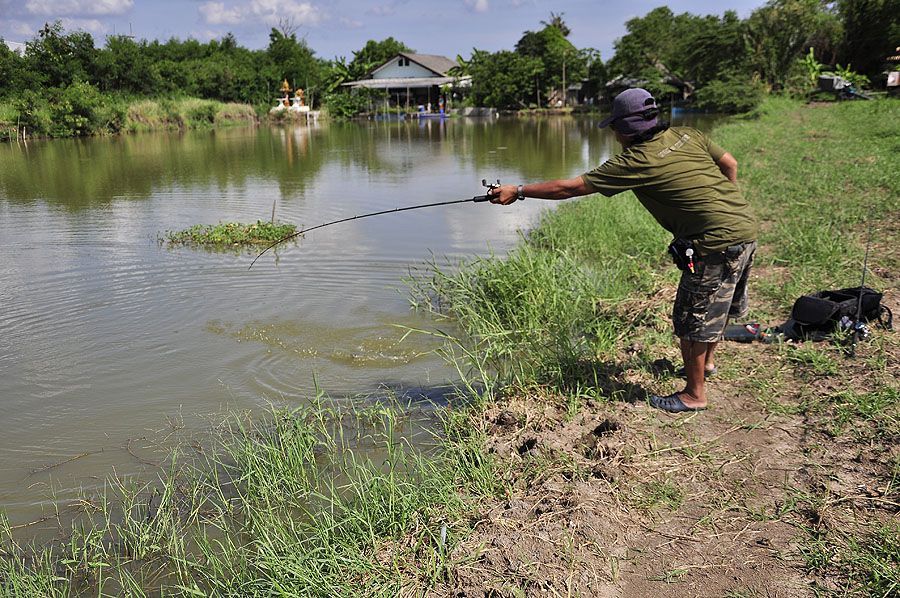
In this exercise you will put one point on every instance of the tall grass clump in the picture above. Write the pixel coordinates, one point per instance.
(308, 502)
(532, 316)
(615, 237)
(185, 113)
(522, 315)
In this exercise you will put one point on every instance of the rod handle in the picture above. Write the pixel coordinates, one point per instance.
(481, 198)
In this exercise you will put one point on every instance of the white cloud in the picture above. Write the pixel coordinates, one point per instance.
(383, 10)
(89, 25)
(265, 11)
(78, 7)
(303, 13)
(205, 35)
(22, 28)
(215, 13)
(387, 9)
(477, 5)
(351, 23)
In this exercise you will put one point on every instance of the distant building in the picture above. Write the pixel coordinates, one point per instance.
(16, 47)
(413, 80)
(893, 76)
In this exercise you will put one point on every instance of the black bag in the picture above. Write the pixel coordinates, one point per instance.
(825, 311)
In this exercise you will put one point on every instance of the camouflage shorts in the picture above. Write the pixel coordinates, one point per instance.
(715, 291)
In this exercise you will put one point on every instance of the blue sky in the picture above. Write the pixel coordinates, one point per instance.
(337, 27)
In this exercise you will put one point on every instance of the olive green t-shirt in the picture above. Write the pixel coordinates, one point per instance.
(675, 176)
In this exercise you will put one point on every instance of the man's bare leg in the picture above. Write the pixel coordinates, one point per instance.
(710, 363)
(695, 357)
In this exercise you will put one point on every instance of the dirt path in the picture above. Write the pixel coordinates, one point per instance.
(761, 495)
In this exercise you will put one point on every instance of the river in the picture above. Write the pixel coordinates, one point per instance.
(108, 336)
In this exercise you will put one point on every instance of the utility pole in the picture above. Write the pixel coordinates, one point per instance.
(564, 80)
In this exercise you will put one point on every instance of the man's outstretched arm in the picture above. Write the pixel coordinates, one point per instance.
(556, 189)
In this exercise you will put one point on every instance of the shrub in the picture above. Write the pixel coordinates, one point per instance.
(344, 105)
(201, 112)
(33, 112)
(78, 109)
(732, 95)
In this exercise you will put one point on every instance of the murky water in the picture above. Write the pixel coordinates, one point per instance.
(105, 335)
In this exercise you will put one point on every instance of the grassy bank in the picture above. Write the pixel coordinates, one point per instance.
(573, 325)
(81, 110)
(549, 474)
(323, 500)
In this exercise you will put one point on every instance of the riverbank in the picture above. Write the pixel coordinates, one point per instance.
(788, 485)
(86, 112)
(560, 478)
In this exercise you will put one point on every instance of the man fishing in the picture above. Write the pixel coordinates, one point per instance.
(689, 184)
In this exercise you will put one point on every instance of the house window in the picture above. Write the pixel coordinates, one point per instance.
(404, 61)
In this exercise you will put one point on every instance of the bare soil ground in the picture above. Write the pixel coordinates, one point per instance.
(760, 495)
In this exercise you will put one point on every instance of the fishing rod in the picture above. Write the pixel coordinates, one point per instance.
(477, 199)
(859, 329)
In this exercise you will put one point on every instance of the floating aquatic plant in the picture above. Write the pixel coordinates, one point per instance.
(230, 233)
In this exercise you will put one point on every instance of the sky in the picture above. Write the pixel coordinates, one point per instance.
(334, 28)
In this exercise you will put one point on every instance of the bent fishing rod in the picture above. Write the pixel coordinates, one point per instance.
(477, 199)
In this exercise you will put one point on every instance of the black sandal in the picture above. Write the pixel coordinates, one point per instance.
(672, 403)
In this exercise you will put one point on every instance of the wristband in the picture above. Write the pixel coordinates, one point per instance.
(520, 192)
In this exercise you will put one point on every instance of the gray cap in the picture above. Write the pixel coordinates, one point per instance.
(634, 111)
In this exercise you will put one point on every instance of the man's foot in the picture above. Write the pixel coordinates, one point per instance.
(674, 403)
(707, 373)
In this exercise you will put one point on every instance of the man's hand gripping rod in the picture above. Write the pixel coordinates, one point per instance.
(477, 199)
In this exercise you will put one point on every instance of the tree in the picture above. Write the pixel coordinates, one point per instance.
(871, 33)
(58, 59)
(126, 65)
(373, 55)
(556, 55)
(556, 20)
(659, 37)
(503, 79)
(292, 59)
(14, 76)
(779, 33)
(715, 49)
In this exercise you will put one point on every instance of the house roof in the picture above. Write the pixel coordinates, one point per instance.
(16, 47)
(439, 65)
(410, 82)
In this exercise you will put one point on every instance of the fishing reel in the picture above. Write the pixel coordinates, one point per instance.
(490, 186)
(489, 195)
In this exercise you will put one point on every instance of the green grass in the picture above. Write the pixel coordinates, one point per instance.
(7, 116)
(817, 175)
(858, 565)
(323, 500)
(565, 299)
(315, 501)
(658, 494)
(184, 113)
(550, 304)
(82, 110)
(814, 359)
(230, 234)
(874, 414)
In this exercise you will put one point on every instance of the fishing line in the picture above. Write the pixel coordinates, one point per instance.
(476, 199)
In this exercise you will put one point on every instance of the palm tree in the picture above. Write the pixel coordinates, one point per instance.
(556, 20)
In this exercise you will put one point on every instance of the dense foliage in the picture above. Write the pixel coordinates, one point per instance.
(717, 62)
